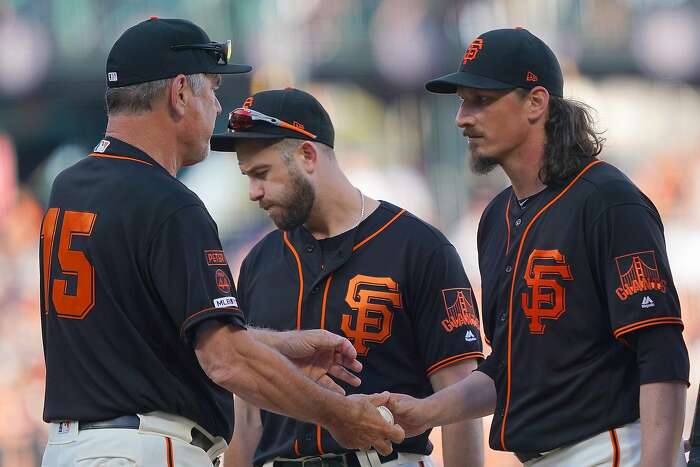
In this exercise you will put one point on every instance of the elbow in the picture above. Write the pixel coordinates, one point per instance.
(219, 356)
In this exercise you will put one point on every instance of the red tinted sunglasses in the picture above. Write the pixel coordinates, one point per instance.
(242, 119)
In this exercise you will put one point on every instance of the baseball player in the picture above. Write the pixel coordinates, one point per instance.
(361, 268)
(143, 337)
(588, 365)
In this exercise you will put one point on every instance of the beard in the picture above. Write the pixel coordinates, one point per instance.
(294, 209)
(482, 164)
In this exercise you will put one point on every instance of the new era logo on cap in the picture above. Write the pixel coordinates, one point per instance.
(112, 76)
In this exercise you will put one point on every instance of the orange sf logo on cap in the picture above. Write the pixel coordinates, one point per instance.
(248, 102)
(473, 50)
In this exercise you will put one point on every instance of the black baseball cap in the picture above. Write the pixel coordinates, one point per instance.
(504, 59)
(292, 106)
(163, 48)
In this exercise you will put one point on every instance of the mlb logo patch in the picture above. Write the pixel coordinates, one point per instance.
(101, 146)
(225, 302)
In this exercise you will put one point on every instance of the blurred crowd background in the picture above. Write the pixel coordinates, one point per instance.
(636, 61)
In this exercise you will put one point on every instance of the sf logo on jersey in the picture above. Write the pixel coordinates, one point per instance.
(370, 298)
(547, 297)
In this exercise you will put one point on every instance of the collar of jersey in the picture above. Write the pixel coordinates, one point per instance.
(119, 148)
(301, 237)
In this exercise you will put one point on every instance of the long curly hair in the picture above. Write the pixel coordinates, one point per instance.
(571, 140)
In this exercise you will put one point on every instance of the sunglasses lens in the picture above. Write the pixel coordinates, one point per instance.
(228, 51)
(239, 121)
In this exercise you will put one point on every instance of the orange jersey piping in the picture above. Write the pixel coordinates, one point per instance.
(391, 221)
(325, 298)
(616, 449)
(512, 290)
(301, 278)
(445, 362)
(646, 323)
(125, 158)
(510, 198)
(169, 452)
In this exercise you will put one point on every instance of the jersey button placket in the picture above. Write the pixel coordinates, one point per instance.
(310, 248)
(509, 269)
(518, 221)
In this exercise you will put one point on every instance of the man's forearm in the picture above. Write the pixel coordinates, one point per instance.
(662, 410)
(267, 380)
(462, 444)
(246, 436)
(269, 337)
(473, 397)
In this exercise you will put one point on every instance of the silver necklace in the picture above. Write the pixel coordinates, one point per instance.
(362, 210)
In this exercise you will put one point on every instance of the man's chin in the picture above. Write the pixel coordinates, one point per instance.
(482, 164)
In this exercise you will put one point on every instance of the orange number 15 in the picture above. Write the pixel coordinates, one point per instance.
(71, 263)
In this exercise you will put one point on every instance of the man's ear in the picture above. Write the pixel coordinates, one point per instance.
(178, 96)
(309, 156)
(537, 102)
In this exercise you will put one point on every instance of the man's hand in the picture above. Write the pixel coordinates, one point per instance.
(319, 353)
(363, 426)
(410, 413)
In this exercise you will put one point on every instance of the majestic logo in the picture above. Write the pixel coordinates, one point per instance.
(248, 102)
(215, 258)
(531, 77)
(469, 336)
(548, 300)
(459, 309)
(473, 50)
(222, 281)
(638, 272)
(371, 298)
(647, 302)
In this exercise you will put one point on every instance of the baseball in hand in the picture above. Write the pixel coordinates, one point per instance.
(386, 413)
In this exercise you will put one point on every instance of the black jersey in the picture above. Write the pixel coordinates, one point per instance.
(565, 278)
(130, 263)
(394, 286)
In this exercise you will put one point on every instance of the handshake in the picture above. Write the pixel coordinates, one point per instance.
(362, 421)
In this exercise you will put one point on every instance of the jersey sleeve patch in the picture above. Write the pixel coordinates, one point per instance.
(225, 302)
(223, 283)
(459, 310)
(638, 272)
(215, 258)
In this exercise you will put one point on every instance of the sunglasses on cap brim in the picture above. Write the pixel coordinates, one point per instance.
(222, 50)
(243, 119)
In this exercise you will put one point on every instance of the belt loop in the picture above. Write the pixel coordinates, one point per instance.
(363, 459)
(373, 457)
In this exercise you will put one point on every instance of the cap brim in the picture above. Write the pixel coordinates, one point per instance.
(226, 142)
(230, 69)
(448, 84)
